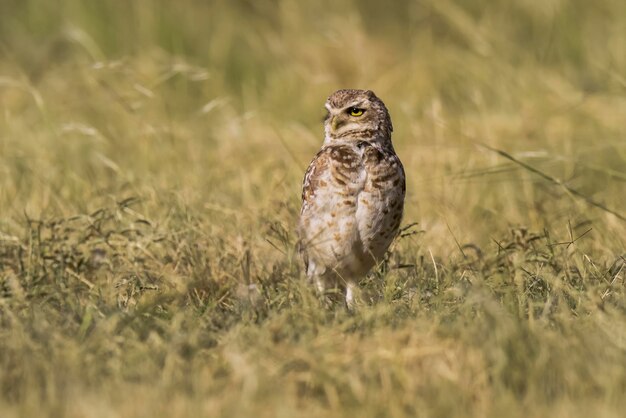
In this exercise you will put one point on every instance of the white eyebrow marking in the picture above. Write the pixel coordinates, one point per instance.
(358, 104)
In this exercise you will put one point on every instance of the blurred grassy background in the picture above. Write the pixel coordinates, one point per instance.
(206, 115)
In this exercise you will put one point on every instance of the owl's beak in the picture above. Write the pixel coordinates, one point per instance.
(335, 122)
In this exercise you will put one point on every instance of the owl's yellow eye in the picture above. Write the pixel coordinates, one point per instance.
(355, 111)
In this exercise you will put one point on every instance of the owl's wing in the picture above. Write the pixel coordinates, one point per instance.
(311, 183)
(313, 178)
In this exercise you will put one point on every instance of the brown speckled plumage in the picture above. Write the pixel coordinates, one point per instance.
(352, 194)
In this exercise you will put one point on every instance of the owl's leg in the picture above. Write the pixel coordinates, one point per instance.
(326, 291)
(319, 284)
(314, 276)
(351, 295)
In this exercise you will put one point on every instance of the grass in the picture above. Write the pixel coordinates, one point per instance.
(150, 165)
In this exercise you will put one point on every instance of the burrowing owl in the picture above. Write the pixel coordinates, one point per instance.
(352, 194)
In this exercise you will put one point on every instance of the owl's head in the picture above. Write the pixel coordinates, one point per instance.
(356, 114)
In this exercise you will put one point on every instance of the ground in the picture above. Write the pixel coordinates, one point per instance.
(151, 158)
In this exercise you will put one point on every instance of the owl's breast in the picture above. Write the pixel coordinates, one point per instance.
(381, 202)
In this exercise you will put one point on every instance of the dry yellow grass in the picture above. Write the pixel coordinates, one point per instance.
(151, 156)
